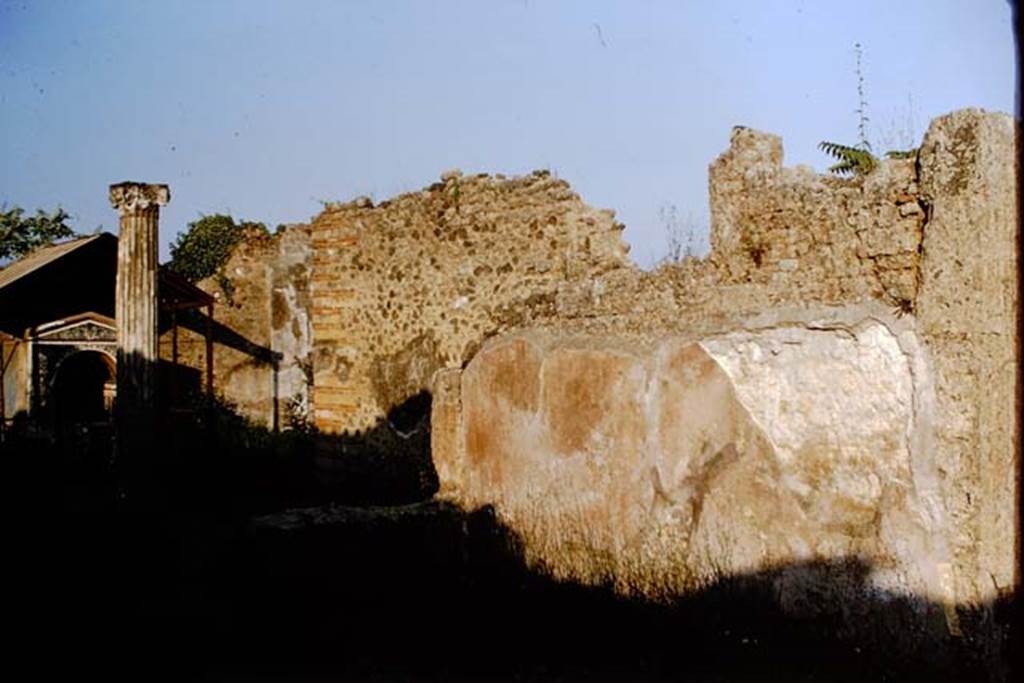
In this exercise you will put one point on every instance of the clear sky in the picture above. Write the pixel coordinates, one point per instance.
(262, 109)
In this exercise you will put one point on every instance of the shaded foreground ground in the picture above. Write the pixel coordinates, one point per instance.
(197, 574)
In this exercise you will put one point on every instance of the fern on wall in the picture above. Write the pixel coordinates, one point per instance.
(857, 160)
(849, 160)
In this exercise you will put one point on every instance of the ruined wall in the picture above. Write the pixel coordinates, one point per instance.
(835, 381)
(780, 237)
(391, 293)
(264, 313)
(416, 283)
(821, 237)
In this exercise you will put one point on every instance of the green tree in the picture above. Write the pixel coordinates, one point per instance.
(20, 234)
(204, 248)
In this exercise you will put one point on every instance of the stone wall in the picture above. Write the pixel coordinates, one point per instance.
(830, 238)
(417, 283)
(290, 324)
(263, 314)
(835, 381)
(780, 237)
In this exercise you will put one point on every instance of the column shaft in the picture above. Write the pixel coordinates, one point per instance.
(136, 308)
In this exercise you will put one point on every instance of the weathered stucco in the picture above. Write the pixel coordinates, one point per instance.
(290, 330)
(667, 466)
(836, 380)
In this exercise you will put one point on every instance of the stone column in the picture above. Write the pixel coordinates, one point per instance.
(136, 298)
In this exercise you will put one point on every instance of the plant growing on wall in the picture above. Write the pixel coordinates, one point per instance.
(850, 160)
(680, 234)
(205, 247)
(859, 159)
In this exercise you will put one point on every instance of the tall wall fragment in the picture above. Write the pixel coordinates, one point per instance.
(415, 284)
(966, 313)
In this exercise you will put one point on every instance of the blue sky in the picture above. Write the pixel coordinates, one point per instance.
(264, 109)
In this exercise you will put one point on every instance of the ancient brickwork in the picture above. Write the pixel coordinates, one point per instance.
(780, 237)
(416, 283)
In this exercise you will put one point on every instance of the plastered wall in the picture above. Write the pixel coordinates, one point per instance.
(855, 338)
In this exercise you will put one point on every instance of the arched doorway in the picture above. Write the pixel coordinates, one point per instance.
(83, 390)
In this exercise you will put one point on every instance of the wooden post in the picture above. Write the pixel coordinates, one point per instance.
(172, 378)
(5, 364)
(209, 349)
(3, 392)
(174, 335)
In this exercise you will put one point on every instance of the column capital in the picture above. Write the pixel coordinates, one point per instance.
(130, 197)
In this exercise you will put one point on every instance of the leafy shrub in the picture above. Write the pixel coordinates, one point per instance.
(851, 160)
(205, 247)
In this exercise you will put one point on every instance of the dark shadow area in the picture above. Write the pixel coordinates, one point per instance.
(79, 389)
(438, 593)
(198, 322)
(408, 416)
(179, 386)
(217, 552)
(388, 464)
(81, 405)
(263, 470)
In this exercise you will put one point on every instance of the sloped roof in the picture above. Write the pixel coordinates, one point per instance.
(175, 290)
(43, 256)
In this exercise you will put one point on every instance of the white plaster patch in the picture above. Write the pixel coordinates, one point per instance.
(836, 404)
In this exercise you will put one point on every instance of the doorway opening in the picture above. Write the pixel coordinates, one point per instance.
(83, 391)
